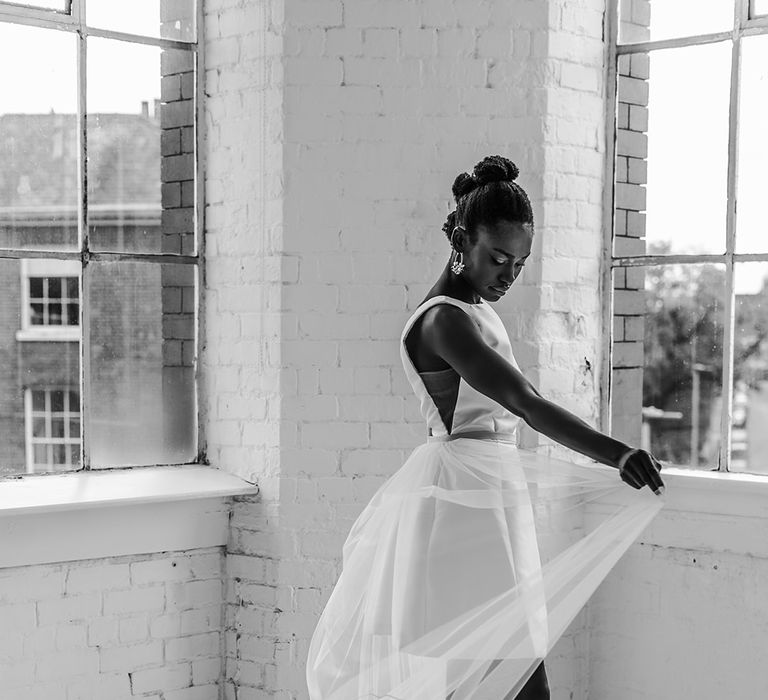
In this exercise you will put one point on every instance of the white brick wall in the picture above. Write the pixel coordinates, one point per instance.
(683, 614)
(146, 626)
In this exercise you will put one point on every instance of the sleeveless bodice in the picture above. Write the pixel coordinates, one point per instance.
(471, 409)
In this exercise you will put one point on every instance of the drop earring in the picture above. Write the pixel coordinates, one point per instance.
(458, 264)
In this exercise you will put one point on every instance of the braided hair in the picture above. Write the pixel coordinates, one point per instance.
(488, 195)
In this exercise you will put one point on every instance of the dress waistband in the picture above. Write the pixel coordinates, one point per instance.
(475, 435)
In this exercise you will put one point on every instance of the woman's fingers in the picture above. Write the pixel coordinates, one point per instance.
(651, 474)
(628, 477)
(643, 468)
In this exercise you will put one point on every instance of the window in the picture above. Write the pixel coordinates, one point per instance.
(688, 373)
(52, 419)
(99, 234)
(50, 300)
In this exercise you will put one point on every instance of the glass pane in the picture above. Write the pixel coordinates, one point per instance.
(34, 376)
(643, 20)
(749, 438)
(141, 148)
(751, 228)
(60, 5)
(57, 401)
(54, 286)
(37, 315)
(73, 314)
(59, 454)
(38, 138)
(667, 360)
(672, 151)
(41, 456)
(38, 400)
(57, 427)
(36, 287)
(760, 8)
(142, 359)
(38, 427)
(73, 292)
(169, 19)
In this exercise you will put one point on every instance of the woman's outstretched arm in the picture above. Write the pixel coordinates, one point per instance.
(452, 335)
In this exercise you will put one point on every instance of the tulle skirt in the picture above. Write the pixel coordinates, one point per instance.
(464, 570)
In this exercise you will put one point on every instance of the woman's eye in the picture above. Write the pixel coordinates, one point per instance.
(498, 262)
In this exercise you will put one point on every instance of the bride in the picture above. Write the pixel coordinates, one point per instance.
(446, 590)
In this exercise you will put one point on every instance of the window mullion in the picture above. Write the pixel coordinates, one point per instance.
(606, 272)
(726, 418)
(82, 236)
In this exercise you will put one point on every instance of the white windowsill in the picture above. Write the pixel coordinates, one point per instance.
(86, 515)
(711, 492)
(49, 334)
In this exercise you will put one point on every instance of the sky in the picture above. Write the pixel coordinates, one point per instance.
(688, 138)
(687, 131)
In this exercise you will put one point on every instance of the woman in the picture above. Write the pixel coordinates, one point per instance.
(443, 593)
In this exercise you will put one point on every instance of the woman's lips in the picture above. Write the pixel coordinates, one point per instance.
(500, 290)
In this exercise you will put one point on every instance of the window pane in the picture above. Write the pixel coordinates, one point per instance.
(667, 360)
(38, 427)
(57, 401)
(38, 400)
(751, 228)
(37, 316)
(36, 287)
(760, 8)
(169, 20)
(34, 375)
(38, 138)
(141, 148)
(672, 151)
(54, 314)
(142, 358)
(60, 5)
(749, 438)
(643, 20)
(40, 457)
(54, 287)
(73, 314)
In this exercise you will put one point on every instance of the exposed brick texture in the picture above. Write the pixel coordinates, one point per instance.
(117, 628)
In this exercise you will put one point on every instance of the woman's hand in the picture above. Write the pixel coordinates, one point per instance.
(638, 467)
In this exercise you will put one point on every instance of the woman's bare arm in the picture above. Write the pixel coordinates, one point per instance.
(451, 334)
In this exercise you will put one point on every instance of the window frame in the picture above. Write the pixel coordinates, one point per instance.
(74, 21)
(744, 25)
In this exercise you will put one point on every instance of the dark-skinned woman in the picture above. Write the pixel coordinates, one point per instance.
(445, 592)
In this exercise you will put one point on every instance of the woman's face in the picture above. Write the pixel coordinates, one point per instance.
(493, 262)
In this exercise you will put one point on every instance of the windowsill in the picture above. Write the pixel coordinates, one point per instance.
(733, 494)
(48, 334)
(94, 514)
(712, 492)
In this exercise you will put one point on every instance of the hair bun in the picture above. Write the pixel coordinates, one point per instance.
(463, 184)
(495, 169)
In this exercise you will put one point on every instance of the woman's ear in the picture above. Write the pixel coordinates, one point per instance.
(458, 238)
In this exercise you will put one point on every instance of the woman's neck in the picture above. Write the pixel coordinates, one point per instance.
(452, 285)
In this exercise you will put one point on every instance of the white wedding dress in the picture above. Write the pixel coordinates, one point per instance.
(472, 559)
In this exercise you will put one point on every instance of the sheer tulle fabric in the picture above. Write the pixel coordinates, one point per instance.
(464, 570)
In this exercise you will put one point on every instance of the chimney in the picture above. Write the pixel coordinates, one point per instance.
(145, 109)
